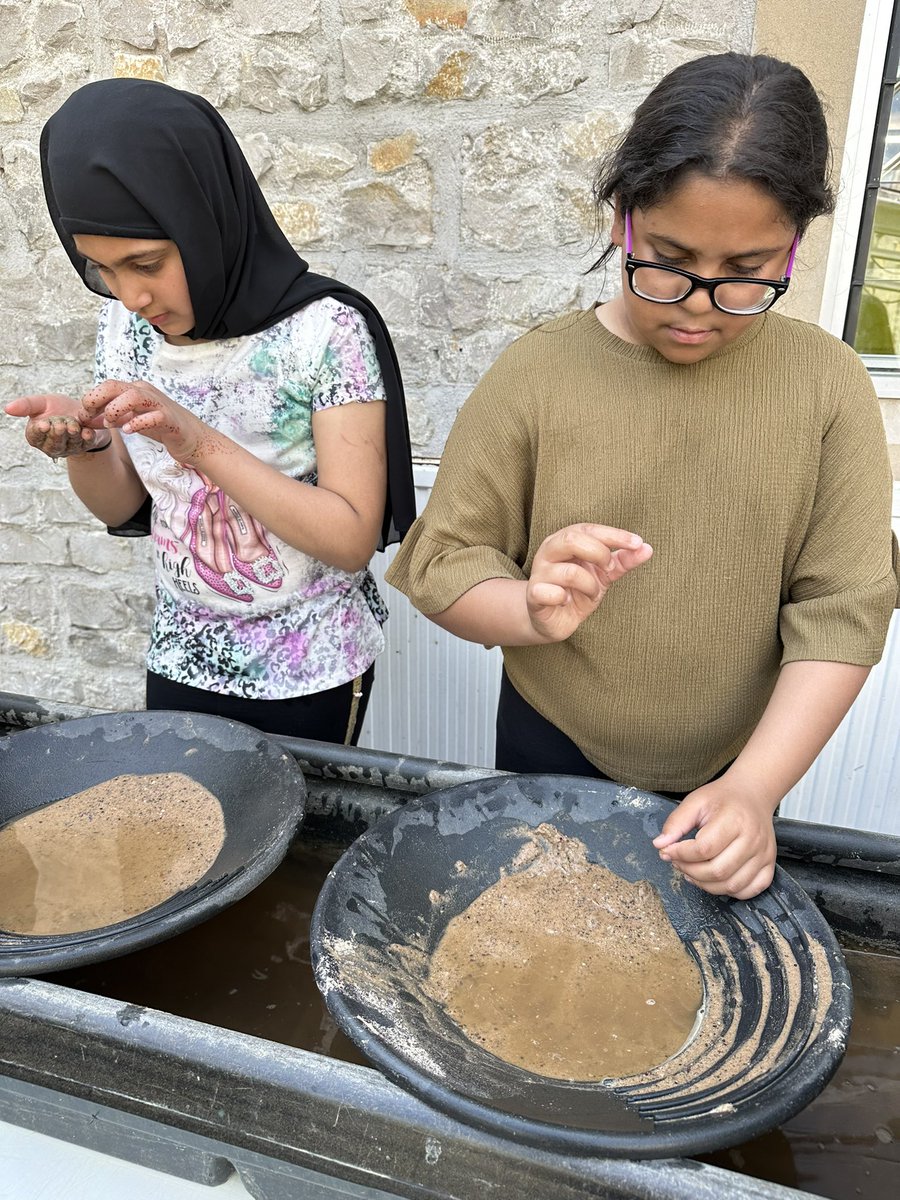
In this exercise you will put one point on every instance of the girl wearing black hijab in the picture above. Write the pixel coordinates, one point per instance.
(247, 413)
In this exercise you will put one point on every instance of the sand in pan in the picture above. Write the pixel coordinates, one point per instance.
(566, 969)
(107, 853)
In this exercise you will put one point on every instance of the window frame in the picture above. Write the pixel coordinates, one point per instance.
(863, 153)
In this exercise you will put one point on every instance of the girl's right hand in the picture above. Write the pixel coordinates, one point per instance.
(573, 570)
(137, 407)
(53, 425)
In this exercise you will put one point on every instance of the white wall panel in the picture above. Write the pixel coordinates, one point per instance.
(435, 695)
(855, 781)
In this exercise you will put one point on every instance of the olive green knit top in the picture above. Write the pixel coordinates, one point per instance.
(760, 476)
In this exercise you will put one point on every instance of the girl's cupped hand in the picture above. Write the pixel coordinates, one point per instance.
(573, 570)
(136, 407)
(57, 426)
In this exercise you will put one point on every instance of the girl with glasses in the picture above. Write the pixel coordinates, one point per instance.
(247, 413)
(672, 510)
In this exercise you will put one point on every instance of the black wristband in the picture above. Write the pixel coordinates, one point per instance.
(97, 449)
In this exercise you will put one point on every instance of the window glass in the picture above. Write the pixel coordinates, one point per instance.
(873, 318)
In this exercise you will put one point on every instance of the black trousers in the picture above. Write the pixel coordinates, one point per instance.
(529, 744)
(328, 716)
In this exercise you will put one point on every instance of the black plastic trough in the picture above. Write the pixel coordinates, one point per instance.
(199, 1101)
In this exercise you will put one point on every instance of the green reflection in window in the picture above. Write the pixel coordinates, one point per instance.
(878, 325)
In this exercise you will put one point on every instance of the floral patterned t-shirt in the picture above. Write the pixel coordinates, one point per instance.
(238, 610)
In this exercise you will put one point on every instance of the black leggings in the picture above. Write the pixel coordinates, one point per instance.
(327, 716)
(529, 744)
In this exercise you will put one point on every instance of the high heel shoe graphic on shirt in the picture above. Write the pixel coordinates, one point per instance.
(205, 536)
(251, 553)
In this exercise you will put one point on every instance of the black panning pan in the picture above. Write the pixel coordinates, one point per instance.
(777, 999)
(260, 788)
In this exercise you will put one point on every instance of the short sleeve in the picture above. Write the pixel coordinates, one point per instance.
(843, 585)
(475, 525)
(348, 371)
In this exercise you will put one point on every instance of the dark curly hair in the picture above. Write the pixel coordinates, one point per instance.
(727, 116)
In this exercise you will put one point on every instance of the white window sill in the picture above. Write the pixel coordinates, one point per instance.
(886, 384)
(884, 371)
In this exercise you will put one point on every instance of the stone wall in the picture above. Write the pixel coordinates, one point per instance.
(436, 154)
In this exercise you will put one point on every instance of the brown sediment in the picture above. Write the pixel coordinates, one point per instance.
(824, 978)
(761, 1049)
(713, 1062)
(566, 969)
(107, 853)
(716, 1036)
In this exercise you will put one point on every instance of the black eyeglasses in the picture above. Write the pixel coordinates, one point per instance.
(738, 296)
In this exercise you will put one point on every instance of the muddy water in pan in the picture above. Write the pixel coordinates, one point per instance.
(248, 969)
(107, 853)
(567, 970)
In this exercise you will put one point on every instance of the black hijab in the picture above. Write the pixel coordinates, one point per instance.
(135, 158)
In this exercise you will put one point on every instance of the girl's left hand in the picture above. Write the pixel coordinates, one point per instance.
(54, 426)
(733, 850)
(136, 407)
